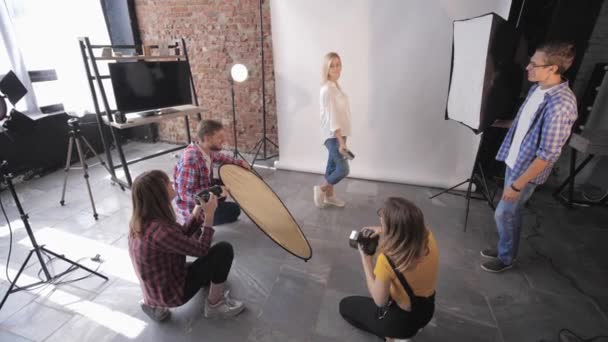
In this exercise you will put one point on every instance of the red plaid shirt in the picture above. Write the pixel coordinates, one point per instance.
(191, 175)
(159, 258)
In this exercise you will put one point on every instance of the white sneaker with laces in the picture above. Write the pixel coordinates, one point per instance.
(319, 196)
(227, 307)
(335, 201)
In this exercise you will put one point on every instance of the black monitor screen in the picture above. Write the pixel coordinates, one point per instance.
(140, 86)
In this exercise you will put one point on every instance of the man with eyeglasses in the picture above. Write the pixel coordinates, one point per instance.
(532, 145)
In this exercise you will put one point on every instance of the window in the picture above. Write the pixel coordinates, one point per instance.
(46, 33)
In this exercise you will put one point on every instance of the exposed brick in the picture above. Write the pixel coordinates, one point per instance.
(218, 33)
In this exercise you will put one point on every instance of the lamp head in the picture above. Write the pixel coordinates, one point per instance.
(239, 72)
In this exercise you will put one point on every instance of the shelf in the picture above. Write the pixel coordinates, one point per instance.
(136, 119)
(138, 58)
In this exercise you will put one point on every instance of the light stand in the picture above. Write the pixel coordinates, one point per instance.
(238, 73)
(479, 179)
(261, 144)
(5, 176)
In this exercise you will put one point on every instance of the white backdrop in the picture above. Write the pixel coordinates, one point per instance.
(395, 69)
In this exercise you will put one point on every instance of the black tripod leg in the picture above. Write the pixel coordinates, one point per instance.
(450, 189)
(73, 263)
(466, 213)
(103, 163)
(14, 282)
(67, 168)
(485, 190)
(272, 142)
(257, 148)
(86, 176)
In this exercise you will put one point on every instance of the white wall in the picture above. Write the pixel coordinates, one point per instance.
(396, 58)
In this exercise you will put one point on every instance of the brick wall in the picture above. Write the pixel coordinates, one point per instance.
(597, 51)
(218, 33)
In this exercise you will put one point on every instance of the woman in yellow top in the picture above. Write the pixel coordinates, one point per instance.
(402, 294)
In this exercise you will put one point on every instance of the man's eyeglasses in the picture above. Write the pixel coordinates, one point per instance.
(531, 64)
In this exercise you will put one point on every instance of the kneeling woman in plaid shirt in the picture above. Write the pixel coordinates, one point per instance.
(158, 246)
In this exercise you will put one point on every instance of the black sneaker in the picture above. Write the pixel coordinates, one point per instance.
(491, 253)
(495, 266)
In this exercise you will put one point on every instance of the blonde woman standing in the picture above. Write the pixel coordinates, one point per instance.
(336, 127)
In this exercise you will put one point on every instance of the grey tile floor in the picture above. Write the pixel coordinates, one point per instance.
(559, 282)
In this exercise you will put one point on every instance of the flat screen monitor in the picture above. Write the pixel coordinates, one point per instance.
(140, 86)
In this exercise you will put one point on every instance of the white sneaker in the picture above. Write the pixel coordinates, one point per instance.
(335, 201)
(225, 308)
(318, 196)
(156, 313)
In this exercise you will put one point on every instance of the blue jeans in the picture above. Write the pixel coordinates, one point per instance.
(508, 216)
(337, 167)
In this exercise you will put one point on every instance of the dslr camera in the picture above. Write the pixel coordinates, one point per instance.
(364, 239)
(204, 195)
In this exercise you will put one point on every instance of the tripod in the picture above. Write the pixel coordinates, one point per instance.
(479, 179)
(76, 137)
(6, 177)
(236, 150)
(261, 144)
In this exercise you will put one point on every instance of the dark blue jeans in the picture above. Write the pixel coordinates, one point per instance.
(508, 217)
(337, 167)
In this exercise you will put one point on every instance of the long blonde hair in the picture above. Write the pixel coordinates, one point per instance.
(330, 57)
(150, 201)
(405, 237)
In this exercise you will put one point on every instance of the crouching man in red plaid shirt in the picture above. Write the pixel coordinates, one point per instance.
(158, 246)
(194, 172)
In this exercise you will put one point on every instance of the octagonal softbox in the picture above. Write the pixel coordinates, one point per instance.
(265, 209)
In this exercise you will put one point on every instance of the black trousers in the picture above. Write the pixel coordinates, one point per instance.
(362, 313)
(213, 267)
(226, 212)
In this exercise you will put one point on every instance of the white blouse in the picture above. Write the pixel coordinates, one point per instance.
(335, 111)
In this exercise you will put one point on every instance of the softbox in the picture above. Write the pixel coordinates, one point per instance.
(265, 209)
(485, 79)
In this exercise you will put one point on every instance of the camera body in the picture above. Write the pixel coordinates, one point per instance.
(203, 196)
(365, 240)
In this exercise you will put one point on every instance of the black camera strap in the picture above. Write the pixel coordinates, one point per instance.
(403, 281)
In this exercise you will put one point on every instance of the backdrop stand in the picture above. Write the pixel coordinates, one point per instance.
(261, 145)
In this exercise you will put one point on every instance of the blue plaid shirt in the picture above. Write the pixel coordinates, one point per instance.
(548, 132)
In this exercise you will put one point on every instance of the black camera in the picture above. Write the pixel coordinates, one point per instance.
(364, 238)
(347, 154)
(204, 195)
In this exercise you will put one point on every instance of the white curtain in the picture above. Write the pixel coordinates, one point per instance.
(47, 33)
(12, 55)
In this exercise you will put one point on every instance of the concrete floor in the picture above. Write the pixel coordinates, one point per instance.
(560, 280)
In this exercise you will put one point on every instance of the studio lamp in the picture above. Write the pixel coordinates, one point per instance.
(13, 90)
(238, 73)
